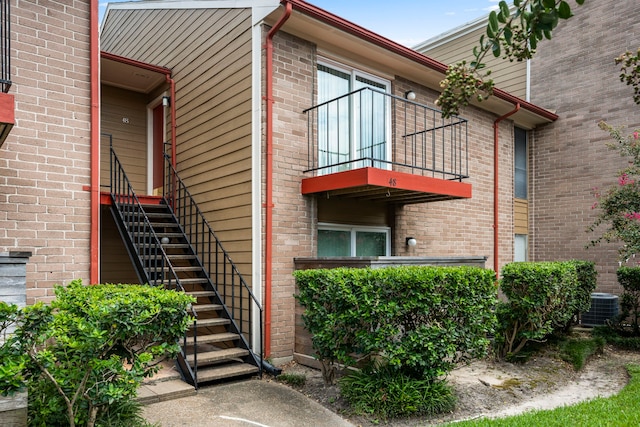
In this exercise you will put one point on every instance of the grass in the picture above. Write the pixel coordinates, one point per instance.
(621, 410)
(578, 351)
(295, 380)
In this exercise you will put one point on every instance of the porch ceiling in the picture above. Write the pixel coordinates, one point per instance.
(130, 75)
(385, 186)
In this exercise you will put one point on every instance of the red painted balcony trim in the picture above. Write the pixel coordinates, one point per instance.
(385, 185)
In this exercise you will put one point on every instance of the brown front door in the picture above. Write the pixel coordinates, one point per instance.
(158, 148)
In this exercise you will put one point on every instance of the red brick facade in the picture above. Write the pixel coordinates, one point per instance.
(448, 228)
(45, 162)
(574, 74)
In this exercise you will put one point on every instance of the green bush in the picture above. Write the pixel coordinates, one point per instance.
(90, 349)
(629, 279)
(379, 390)
(420, 320)
(543, 297)
(578, 351)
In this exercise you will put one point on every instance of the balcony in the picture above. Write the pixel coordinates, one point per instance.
(7, 102)
(371, 145)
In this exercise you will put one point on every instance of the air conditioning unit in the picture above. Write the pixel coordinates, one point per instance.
(603, 307)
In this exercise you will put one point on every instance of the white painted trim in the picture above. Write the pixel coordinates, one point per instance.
(256, 175)
(150, 106)
(192, 4)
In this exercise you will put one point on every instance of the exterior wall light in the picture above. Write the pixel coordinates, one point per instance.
(166, 101)
(411, 241)
(410, 95)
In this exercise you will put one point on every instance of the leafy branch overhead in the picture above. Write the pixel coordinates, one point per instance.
(511, 33)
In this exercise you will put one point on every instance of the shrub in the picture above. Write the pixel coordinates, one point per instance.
(542, 297)
(578, 351)
(382, 391)
(629, 279)
(91, 348)
(420, 320)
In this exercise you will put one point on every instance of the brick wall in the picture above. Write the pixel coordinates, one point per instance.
(45, 162)
(454, 228)
(574, 74)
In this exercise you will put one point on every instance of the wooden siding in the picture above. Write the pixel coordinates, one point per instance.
(124, 117)
(508, 76)
(209, 52)
(115, 264)
(520, 216)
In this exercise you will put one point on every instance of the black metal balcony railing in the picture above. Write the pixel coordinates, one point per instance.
(369, 127)
(5, 46)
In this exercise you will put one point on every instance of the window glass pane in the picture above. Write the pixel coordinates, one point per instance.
(370, 123)
(371, 243)
(333, 119)
(520, 160)
(334, 243)
(520, 248)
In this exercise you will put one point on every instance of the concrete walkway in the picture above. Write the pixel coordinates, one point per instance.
(246, 403)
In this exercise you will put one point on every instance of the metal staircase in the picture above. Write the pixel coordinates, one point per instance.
(172, 245)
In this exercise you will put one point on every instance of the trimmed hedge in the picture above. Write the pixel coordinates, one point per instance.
(629, 279)
(543, 297)
(419, 320)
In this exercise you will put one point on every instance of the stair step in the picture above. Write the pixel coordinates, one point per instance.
(214, 373)
(159, 215)
(194, 280)
(197, 294)
(218, 355)
(218, 321)
(181, 257)
(160, 235)
(207, 307)
(208, 339)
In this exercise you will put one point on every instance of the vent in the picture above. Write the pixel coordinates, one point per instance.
(603, 308)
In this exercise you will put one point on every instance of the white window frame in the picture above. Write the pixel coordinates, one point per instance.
(354, 73)
(353, 229)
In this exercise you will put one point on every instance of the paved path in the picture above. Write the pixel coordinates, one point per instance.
(250, 403)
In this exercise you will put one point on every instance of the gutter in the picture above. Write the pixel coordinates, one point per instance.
(94, 60)
(496, 220)
(268, 249)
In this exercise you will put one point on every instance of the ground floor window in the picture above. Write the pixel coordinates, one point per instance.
(520, 245)
(348, 241)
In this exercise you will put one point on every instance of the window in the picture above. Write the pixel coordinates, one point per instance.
(348, 241)
(354, 127)
(520, 163)
(520, 245)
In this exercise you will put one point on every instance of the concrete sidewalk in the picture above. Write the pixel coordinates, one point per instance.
(242, 404)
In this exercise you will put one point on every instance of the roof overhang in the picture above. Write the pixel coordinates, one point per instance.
(348, 40)
(131, 75)
(385, 186)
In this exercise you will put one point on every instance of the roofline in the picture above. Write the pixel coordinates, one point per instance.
(406, 52)
(133, 62)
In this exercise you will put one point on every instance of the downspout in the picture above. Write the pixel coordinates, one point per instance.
(172, 94)
(94, 236)
(268, 244)
(496, 124)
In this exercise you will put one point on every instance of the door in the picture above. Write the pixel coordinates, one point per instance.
(158, 150)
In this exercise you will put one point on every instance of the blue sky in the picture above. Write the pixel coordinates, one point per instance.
(408, 22)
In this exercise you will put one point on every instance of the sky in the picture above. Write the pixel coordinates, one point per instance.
(407, 22)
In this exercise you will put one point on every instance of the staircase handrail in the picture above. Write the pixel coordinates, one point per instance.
(118, 175)
(180, 200)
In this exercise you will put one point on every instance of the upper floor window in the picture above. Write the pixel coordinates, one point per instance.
(520, 163)
(350, 241)
(353, 119)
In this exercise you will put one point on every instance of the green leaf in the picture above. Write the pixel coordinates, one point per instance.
(580, 2)
(508, 34)
(493, 23)
(564, 10)
(551, 4)
(547, 34)
(495, 49)
(504, 9)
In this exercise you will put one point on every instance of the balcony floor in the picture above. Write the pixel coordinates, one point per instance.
(385, 186)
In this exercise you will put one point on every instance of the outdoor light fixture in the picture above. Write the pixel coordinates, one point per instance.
(164, 240)
(411, 241)
(166, 101)
(410, 95)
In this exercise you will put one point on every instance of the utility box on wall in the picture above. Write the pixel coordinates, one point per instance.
(13, 290)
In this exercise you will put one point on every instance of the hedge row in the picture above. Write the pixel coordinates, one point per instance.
(420, 320)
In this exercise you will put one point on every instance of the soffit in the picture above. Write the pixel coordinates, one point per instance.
(129, 76)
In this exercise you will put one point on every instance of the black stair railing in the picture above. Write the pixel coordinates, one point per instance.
(145, 248)
(244, 308)
(5, 46)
